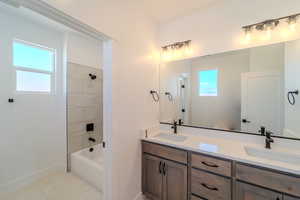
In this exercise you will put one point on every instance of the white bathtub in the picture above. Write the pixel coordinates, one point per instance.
(89, 166)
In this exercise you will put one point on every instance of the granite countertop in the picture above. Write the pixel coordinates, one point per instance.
(234, 149)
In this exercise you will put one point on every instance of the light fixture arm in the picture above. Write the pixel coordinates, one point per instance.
(275, 22)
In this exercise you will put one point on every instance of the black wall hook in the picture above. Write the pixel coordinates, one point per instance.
(155, 95)
(169, 95)
(291, 96)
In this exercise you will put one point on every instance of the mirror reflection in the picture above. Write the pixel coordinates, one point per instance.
(238, 91)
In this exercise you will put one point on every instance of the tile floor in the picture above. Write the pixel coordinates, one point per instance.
(56, 186)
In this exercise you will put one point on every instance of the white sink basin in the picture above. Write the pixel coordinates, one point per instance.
(269, 154)
(171, 137)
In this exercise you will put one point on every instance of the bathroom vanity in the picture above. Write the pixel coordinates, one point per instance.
(177, 172)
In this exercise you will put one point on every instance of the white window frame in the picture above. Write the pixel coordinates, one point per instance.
(208, 69)
(28, 69)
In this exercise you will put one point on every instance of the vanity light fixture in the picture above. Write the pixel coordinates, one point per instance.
(269, 25)
(176, 50)
(292, 21)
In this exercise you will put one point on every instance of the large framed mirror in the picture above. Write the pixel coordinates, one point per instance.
(239, 91)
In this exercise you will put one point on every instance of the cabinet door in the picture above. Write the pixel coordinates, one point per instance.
(175, 181)
(152, 177)
(250, 192)
(291, 198)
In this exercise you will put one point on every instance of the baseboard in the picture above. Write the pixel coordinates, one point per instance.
(27, 179)
(140, 196)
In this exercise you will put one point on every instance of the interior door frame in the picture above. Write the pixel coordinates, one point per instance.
(50, 12)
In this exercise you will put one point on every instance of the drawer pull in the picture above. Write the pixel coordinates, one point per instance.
(209, 164)
(164, 169)
(160, 163)
(209, 187)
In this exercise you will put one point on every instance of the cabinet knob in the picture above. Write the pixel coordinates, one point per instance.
(11, 100)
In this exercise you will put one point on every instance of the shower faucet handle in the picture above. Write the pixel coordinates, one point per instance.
(93, 76)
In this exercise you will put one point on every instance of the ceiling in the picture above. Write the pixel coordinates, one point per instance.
(166, 10)
(162, 11)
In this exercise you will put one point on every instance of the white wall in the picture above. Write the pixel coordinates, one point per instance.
(33, 129)
(218, 28)
(84, 50)
(292, 82)
(266, 58)
(128, 107)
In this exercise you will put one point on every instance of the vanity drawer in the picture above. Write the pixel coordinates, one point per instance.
(290, 198)
(195, 198)
(165, 152)
(214, 165)
(269, 179)
(210, 186)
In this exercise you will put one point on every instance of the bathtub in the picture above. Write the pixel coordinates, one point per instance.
(89, 166)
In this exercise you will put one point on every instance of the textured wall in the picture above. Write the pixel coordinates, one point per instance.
(84, 106)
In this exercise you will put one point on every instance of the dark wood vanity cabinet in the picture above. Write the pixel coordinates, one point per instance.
(249, 192)
(164, 179)
(210, 186)
(175, 181)
(174, 174)
(290, 198)
(152, 177)
(210, 177)
(274, 180)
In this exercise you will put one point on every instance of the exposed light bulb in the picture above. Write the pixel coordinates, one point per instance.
(292, 21)
(268, 31)
(165, 53)
(248, 36)
(293, 27)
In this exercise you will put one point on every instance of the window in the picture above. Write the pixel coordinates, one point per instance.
(208, 83)
(34, 66)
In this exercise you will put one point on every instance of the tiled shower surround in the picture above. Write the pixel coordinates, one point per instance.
(84, 106)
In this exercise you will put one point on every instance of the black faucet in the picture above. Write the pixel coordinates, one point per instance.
(269, 140)
(262, 131)
(174, 127)
(180, 122)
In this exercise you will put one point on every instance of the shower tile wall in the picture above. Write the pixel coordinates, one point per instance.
(84, 106)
